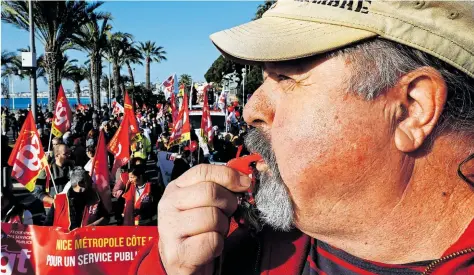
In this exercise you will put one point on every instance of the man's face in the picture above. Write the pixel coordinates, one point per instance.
(63, 154)
(329, 145)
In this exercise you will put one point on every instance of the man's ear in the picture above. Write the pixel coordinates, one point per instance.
(424, 94)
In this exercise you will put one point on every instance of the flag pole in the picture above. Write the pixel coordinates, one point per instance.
(52, 179)
(50, 137)
(190, 107)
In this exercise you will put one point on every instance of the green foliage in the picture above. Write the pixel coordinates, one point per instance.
(151, 52)
(141, 95)
(186, 80)
(262, 8)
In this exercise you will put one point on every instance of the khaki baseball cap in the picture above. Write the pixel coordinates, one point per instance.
(293, 29)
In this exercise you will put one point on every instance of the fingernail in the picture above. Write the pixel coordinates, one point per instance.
(245, 181)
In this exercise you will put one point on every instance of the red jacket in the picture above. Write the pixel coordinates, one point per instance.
(276, 253)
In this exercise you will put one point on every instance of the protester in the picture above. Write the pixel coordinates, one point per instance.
(78, 205)
(78, 152)
(365, 125)
(140, 145)
(60, 173)
(139, 202)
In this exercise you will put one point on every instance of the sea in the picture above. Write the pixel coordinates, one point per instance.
(23, 103)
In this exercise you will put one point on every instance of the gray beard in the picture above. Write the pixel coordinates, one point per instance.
(271, 195)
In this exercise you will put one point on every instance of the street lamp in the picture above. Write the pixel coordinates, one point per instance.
(244, 75)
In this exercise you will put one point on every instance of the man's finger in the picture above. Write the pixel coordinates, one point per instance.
(201, 220)
(204, 194)
(201, 249)
(222, 175)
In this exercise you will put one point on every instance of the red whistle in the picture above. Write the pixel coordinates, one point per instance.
(242, 164)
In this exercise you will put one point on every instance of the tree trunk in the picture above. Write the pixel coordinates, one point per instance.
(116, 72)
(92, 88)
(147, 74)
(130, 72)
(91, 92)
(77, 85)
(98, 64)
(122, 87)
(51, 70)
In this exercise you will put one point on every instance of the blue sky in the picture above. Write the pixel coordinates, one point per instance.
(182, 28)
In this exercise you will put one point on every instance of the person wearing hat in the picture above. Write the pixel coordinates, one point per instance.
(365, 122)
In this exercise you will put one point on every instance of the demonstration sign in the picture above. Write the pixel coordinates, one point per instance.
(28, 249)
(166, 164)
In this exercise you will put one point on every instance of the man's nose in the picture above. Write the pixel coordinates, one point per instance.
(259, 109)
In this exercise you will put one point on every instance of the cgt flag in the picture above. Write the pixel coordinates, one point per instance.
(62, 116)
(130, 113)
(100, 172)
(27, 157)
(206, 122)
(181, 129)
(174, 109)
(119, 146)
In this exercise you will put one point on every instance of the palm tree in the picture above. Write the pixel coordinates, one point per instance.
(117, 43)
(65, 65)
(88, 75)
(77, 75)
(132, 55)
(104, 84)
(7, 59)
(151, 53)
(124, 79)
(55, 24)
(92, 37)
(185, 79)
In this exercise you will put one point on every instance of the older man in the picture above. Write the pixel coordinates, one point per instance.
(365, 121)
(78, 205)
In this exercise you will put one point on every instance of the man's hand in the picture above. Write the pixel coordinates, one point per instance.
(193, 217)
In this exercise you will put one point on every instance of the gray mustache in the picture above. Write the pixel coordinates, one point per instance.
(257, 142)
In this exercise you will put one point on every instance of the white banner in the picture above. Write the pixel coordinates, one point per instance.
(166, 164)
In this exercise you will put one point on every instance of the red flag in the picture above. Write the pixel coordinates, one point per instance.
(100, 172)
(131, 113)
(181, 129)
(120, 144)
(27, 157)
(186, 132)
(206, 122)
(63, 115)
(174, 108)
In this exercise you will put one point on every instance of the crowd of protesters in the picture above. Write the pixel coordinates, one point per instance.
(73, 201)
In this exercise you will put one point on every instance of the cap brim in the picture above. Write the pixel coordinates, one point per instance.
(272, 39)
